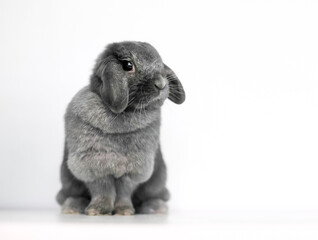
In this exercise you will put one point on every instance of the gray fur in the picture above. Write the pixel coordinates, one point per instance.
(112, 160)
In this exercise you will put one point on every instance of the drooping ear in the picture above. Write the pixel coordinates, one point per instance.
(114, 91)
(176, 91)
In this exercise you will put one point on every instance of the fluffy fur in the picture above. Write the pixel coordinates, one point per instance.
(112, 159)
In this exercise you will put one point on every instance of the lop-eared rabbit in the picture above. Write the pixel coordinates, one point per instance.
(112, 159)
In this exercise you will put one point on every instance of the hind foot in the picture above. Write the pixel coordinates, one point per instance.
(153, 206)
(74, 205)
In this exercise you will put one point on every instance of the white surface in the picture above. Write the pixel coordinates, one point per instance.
(177, 225)
(247, 135)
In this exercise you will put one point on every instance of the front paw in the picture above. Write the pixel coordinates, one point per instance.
(99, 208)
(124, 210)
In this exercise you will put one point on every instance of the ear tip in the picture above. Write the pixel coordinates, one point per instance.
(115, 105)
(117, 108)
(181, 101)
(177, 100)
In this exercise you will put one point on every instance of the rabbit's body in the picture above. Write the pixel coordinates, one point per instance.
(112, 159)
(112, 145)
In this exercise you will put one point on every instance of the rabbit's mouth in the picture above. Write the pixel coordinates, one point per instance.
(161, 97)
(149, 101)
(158, 100)
(153, 103)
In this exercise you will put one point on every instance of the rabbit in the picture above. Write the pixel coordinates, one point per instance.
(112, 160)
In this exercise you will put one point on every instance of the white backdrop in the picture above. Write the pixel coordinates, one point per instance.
(247, 135)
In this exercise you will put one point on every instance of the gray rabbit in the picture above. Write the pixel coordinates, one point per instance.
(112, 159)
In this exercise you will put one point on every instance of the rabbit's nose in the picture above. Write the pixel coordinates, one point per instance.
(160, 83)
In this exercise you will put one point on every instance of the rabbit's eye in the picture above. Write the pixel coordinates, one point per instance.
(128, 66)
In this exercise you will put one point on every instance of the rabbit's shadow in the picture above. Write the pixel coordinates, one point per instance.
(134, 219)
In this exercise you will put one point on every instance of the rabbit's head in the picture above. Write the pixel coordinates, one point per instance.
(130, 75)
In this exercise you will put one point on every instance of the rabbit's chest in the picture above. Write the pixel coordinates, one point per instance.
(114, 155)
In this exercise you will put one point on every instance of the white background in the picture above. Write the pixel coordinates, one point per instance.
(247, 135)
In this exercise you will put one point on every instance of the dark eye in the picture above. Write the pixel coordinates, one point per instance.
(128, 66)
